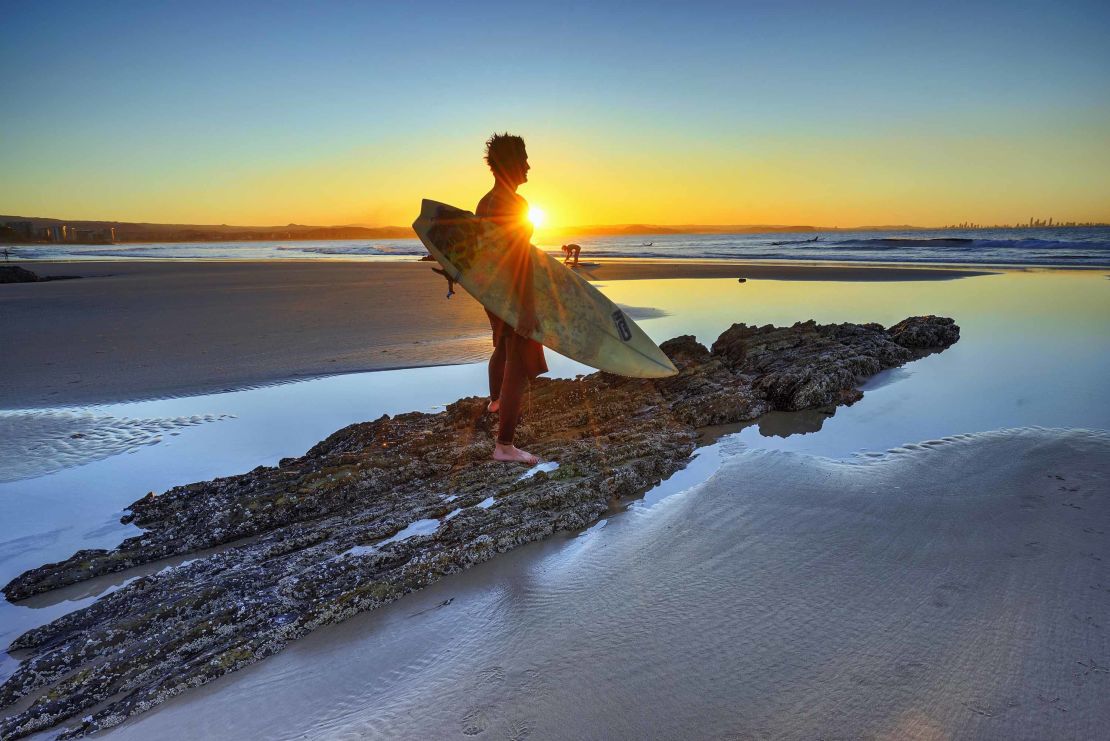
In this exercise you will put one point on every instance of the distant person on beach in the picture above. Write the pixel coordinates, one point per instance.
(569, 251)
(516, 357)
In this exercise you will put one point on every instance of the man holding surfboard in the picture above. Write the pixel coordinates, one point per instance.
(517, 358)
(532, 300)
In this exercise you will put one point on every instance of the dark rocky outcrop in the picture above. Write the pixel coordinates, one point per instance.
(16, 274)
(383, 508)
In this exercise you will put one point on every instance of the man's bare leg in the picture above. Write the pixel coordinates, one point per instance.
(513, 454)
(493, 406)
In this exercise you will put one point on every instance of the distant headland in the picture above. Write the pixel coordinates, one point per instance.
(23, 230)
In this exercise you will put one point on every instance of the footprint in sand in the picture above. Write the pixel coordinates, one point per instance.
(497, 688)
(517, 729)
(474, 721)
(491, 675)
(532, 682)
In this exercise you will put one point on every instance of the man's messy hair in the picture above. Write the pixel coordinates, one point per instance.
(503, 151)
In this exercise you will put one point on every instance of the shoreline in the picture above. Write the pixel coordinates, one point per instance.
(132, 330)
(720, 262)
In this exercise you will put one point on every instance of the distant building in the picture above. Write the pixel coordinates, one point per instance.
(22, 229)
(51, 233)
(93, 236)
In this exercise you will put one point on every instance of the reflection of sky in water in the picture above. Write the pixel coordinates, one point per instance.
(1034, 351)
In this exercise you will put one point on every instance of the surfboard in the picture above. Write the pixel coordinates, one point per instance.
(575, 319)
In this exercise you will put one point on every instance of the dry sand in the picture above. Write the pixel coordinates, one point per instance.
(952, 589)
(133, 330)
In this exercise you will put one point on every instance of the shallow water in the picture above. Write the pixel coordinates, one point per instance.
(944, 591)
(1034, 351)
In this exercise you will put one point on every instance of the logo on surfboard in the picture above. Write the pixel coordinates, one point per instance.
(622, 325)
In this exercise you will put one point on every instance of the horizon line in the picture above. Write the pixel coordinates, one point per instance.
(628, 227)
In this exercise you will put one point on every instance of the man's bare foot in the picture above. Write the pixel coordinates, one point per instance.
(513, 454)
(494, 406)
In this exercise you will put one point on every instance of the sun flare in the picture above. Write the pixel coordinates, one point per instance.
(536, 216)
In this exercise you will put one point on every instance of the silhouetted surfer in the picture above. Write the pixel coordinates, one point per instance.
(571, 253)
(516, 357)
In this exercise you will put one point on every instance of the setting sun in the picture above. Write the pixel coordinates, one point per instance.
(536, 216)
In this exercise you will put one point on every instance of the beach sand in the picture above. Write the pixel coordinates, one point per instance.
(951, 589)
(134, 330)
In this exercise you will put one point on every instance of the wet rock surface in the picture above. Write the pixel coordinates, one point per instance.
(383, 508)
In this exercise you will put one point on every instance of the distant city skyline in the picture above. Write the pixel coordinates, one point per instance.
(704, 113)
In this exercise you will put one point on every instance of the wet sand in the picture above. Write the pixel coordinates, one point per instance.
(135, 330)
(952, 589)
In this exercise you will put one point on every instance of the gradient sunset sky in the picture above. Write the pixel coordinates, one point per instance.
(833, 114)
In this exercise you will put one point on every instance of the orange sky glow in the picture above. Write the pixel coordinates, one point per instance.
(343, 114)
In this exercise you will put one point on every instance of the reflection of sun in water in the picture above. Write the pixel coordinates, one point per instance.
(536, 216)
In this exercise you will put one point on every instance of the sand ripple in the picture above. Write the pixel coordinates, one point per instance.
(35, 443)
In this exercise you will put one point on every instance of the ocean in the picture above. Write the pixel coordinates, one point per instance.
(1069, 246)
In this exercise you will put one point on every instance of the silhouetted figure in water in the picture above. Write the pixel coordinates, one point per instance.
(571, 252)
(516, 357)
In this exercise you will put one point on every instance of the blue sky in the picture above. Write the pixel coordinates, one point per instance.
(150, 110)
